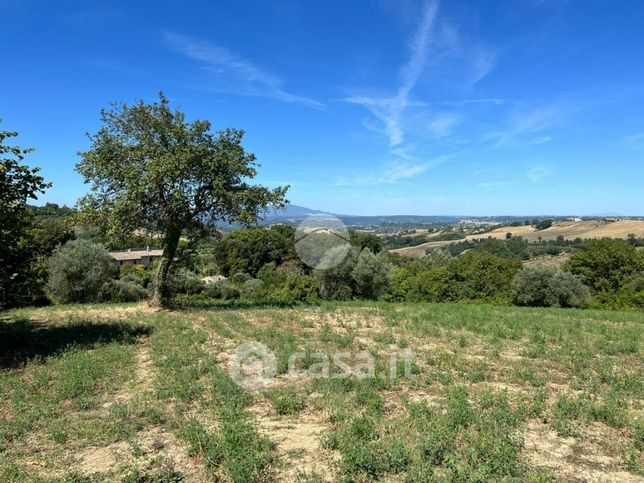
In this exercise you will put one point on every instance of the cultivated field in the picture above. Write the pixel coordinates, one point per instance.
(568, 229)
(122, 393)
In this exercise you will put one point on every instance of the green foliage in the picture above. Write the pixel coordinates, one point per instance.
(19, 277)
(362, 240)
(248, 250)
(223, 290)
(286, 401)
(545, 286)
(632, 292)
(398, 241)
(269, 274)
(50, 233)
(360, 274)
(337, 283)
(421, 279)
(137, 274)
(477, 275)
(371, 275)
(79, 271)
(51, 211)
(295, 288)
(150, 169)
(606, 265)
(543, 224)
(125, 290)
(252, 288)
(515, 247)
(183, 281)
(163, 475)
(512, 247)
(448, 236)
(472, 276)
(240, 278)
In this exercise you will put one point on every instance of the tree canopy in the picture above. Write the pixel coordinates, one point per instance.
(248, 250)
(606, 264)
(152, 170)
(18, 183)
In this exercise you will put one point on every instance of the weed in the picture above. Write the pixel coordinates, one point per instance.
(286, 401)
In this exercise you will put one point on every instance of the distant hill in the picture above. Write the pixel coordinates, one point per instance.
(293, 211)
(296, 213)
(570, 230)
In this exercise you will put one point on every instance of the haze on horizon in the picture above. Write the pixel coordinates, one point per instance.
(393, 107)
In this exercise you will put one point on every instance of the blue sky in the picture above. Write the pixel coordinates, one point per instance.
(363, 107)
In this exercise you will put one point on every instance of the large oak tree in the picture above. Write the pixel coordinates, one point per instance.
(152, 170)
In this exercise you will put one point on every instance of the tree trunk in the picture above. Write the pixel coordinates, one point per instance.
(162, 293)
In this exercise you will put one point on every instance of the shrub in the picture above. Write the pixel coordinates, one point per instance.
(126, 291)
(544, 286)
(480, 276)
(336, 283)
(298, 288)
(78, 271)
(223, 290)
(475, 275)
(370, 274)
(290, 267)
(363, 240)
(183, 281)
(632, 292)
(400, 284)
(252, 288)
(269, 274)
(543, 224)
(631, 295)
(137, 274)
(240, 278)
(432, 286)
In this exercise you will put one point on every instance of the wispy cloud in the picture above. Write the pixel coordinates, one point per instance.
(391, 173)
(634, 141)
(439, 49)
(538, 118)
(389, 110)
(538, 172)
(527, 122)
(542, 140)
(250, 79)
(441, 125)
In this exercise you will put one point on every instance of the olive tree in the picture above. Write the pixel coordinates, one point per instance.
(80, 272)
(545, 286)
(371, 275)
(152, 170)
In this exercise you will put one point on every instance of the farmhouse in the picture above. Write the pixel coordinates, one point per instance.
(136, 257)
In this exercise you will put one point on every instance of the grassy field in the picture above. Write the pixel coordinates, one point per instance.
(123, 393)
